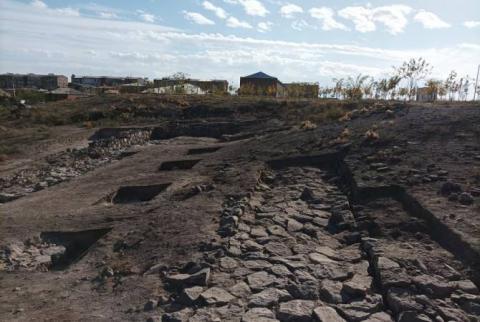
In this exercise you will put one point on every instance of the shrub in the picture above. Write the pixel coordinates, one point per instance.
(334, 113)
(372, 135)
(308, 125)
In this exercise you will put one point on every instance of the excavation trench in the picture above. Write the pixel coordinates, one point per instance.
(178, 165)
(358, 195)
(134, 194)
(76, 243)
(203, 150)
(205, 129)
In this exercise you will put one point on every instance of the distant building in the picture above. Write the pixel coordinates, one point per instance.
(302, 90)
(206, 87)
(107, 81)
(64, 94)
(261, 84)
(132, 88)
(33, 81)
(425, 94)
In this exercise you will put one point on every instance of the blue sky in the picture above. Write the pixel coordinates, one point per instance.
(294, 40)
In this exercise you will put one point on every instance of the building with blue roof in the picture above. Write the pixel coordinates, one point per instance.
(261, 84)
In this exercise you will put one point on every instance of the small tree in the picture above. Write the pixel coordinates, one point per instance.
(392, 85)
(271, 91)
(368, 87)
(355, 86)
(383, 88)
(433, 87)
(414, 71)
(403, 92)
(442, 90)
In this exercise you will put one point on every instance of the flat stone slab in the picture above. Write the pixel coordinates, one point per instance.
(216, 296)
(327, 314)
(296, 311)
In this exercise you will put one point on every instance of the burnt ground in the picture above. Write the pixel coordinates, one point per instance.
(254, 219)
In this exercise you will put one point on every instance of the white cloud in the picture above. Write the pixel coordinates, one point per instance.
(39, 4)
(360, 16)
(301, 25)
(251, 7)
(108, 15)
(197, 18)
(203, 55)
(264, 26)
(471, 24)
(219, 12)
(327, 17)
(233, 22)
(393, 17)
(429, 20)
(145, 16)
(68, 12)
(290, 10)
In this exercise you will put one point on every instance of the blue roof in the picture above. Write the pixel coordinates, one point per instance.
(260, 75)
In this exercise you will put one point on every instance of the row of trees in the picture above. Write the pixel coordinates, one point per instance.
(402, 84)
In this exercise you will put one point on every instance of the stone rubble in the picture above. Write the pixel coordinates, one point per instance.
(32, 255)
(287, 254)
(279, 262)
(69, 164)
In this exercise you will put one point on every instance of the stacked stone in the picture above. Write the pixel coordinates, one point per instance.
(282, 258)
(111, 145)
(418, 294)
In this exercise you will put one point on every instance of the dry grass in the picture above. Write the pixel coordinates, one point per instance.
(307, 125)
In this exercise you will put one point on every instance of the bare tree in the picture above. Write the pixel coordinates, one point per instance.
(179, 76)
(464, 88)
(450, 84)
(338, 88)
(414, 71)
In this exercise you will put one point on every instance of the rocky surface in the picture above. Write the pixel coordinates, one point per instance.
(65, 165)
(280, 255)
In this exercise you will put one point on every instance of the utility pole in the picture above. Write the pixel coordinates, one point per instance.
(476, 84)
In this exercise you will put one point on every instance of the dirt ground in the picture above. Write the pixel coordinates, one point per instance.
(241, 216)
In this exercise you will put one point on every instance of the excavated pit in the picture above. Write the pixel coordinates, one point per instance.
(203, 150)
(205, 129)
(178, 165)
(77, 245)
(127, 154)
(134, 194)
